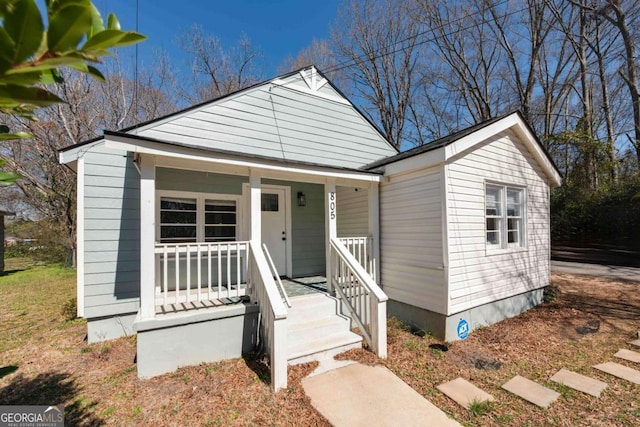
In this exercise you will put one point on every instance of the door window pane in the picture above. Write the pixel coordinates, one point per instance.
(269, 202)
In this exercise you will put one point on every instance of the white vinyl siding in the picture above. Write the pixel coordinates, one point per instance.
(278, 122)
(352, 211)
(478, 274)
(411, 239)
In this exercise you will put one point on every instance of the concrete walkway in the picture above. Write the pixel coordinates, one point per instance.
(611, 271)
(359, 395)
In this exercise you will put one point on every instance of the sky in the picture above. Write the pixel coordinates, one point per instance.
(280, 28)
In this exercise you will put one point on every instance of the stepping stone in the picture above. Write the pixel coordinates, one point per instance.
(631, 356)
(531, 391)
(635, 342)
(579, 382)
(464, 393)
(620, 371)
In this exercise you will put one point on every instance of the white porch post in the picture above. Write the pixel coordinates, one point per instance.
(255, 211)
(374, 227)
(331, 229)
(147, 236)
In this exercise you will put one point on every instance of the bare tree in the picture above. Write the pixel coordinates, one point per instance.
(48, 188)
(216, 69)
(378, 40)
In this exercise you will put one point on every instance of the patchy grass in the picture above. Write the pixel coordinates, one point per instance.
(482, 407)
(33, 295)
(585, 323)
(44, 360)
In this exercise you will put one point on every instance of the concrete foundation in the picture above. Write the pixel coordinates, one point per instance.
(170, 341)
(108, 328)
(453, 327)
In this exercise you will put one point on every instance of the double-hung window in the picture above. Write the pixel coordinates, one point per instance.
(197, 218)
(504, 216)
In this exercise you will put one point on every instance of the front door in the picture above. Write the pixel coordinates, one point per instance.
(274, 226)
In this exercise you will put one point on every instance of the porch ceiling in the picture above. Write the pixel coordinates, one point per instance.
(182, 156)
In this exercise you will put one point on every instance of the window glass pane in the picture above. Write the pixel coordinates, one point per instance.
(177, 204)
(220, 218)
(493, 202)
(514, 202)
(220, 206)
(513, 230)
(493, 224)
(177, 217)
(219, 233)
(493, 237)
(178, 233)
(269, 202)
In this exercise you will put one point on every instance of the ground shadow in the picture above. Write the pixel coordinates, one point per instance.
(10, 272)
(6, 370)
(260, 365)
(51, 388)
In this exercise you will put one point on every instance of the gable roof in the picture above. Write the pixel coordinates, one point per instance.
(465, 139)
(299, 117)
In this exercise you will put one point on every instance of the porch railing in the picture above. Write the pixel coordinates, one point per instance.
(362, 249)
(361, 296)
(188, 272)
(273, 315)
(276, 275)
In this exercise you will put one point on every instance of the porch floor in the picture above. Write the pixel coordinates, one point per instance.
(299, 286)
(305, 285)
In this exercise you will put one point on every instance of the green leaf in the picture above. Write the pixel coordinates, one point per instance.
(7, 47)
(8, 178)
(16, 135)
(130, 38)
(12, 96)
(51, 76)
(47, 64)
(90, 70)
(67, 27)
(112, 22)
(24, 78)
(97, 24)
(24, 26)
(104, 40)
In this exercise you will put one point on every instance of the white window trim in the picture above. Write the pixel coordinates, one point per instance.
(200, 211)
(504, 246)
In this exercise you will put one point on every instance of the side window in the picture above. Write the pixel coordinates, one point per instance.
(504, 216)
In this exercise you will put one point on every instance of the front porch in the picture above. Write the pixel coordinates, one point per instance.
(218, 233)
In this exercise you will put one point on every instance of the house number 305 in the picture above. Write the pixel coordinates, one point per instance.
(332, 205)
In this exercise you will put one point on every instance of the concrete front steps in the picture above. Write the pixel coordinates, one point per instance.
(316, 331)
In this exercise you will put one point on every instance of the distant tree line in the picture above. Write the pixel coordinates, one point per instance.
(420, 70)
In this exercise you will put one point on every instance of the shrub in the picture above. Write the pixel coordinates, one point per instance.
(70, 309)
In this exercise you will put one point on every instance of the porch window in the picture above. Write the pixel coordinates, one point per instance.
(197, 218)
(504, 216)
(220, 221)
(178, 220)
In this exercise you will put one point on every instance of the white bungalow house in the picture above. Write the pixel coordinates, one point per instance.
(186, 224)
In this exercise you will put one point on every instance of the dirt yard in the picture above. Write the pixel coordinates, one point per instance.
(589, 320)
(45, 360)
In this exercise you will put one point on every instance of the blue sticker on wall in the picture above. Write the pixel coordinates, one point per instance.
(463, 329)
